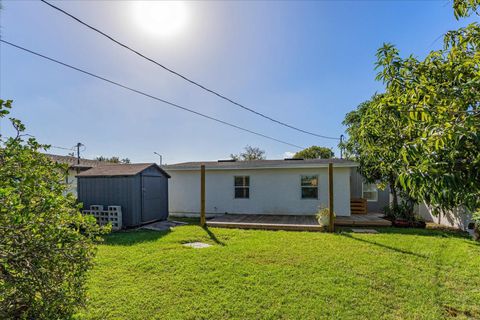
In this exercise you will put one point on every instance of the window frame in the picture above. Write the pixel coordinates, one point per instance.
(376, 192)
(310, 187)
(243, 186)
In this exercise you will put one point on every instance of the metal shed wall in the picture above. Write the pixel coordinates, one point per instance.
(124, 191)
(162, 193)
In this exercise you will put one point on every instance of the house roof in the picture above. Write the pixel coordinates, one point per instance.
(72, 162)
(111, 170)
(260, 164)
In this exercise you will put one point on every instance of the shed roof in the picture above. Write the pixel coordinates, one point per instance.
(261, 164)
(130, 169)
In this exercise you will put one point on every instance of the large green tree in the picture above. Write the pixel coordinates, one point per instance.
(438, 101)
(374, 141)
(425, 127)
(315, 152)
(46, 243)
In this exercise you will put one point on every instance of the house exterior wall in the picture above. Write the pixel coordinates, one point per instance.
(457, 218)
(71, 182)
(356, 183)
(272, 191)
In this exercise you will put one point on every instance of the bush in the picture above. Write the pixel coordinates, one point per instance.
(46, 243)
(403, 211)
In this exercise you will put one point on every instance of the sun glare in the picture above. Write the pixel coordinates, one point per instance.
(163, 18)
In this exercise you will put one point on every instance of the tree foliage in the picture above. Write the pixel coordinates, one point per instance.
(315, 152)
(46, 243)
(425, 127)
(465, 8)
(250, 153)
(375, 142)
(113, 159)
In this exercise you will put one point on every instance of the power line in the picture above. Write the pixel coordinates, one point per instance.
(150, 96)
(186, 78)
(61, 148)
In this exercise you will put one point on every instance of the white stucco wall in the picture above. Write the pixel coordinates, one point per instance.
(71, 182)
(457, 218)
(272, 191)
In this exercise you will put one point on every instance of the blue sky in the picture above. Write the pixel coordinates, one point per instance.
(305, 63)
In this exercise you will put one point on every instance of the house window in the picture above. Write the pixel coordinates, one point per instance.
(309, 185)
(242, 187)
(370, 192)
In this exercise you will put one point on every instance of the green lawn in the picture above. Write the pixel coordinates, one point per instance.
(246, 274)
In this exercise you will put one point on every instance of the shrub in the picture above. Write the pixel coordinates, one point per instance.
(402, 211)
(46, 243)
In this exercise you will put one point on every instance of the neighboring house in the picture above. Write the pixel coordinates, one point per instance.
(75, 166)
(282, 187)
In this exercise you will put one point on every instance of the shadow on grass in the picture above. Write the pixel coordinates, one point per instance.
(133, 237)
(212, 236)
(439, 233)
(384, 246)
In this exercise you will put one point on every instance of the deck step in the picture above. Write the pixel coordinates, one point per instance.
(358, 206)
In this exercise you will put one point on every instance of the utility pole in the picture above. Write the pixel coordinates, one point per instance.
(79, 144)
(158, 154)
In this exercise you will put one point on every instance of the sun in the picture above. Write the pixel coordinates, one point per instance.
(162, 18)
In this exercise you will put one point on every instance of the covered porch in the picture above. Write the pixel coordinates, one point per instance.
(293, 222)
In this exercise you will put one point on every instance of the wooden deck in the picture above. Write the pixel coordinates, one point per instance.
(293, 223)
(363, 220)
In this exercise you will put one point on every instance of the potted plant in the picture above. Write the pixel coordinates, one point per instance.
(323, 216)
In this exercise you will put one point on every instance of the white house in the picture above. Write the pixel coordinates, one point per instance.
(75, 166)
(288, 187)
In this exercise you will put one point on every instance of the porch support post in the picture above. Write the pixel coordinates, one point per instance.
(331, 225)
(202, 195)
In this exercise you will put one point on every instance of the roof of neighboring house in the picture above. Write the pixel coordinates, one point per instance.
(111, 170)
(261, 164)
(73, 162)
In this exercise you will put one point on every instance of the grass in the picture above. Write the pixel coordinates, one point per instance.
(246, 274)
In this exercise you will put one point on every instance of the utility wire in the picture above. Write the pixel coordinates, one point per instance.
(186, 78)
(151, 96)
(62, 148)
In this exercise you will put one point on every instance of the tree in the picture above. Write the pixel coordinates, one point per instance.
(315, 152)
(464, 8)
(438, 102)
(113, 159)
(46, 243)
(250, 153)
(425, 127)
(374, 141)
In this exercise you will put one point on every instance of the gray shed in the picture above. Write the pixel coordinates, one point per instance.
(141, 189)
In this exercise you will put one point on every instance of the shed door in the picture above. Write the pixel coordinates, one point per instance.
(151, 198)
